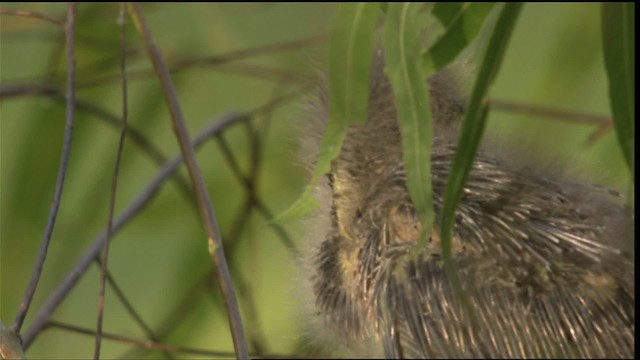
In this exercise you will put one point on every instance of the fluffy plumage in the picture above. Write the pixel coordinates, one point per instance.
(540, 258)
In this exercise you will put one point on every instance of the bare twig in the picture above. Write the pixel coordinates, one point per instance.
(180, 311)
(66, 149)
(250, 52)
(599, 132)
(269, 73)
(278, 101)
(130, 309)
(256, 332)
(249, 70)
(147, 344)
(202, 194)
(19, 90)
(254, 200)
(32, 14)
(234, 239)
(10, 344)
(542, 111)
(186, 304)
(154, 344)
(603, 123)
(134, 134)
(114, 181)
(214, 128)
(257, 143)
(223, 62)
(137, 205)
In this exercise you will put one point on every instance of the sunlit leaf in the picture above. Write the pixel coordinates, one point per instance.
(446, 11)
(349, 68)
(461, 28)
(404, 69)
(472, 129)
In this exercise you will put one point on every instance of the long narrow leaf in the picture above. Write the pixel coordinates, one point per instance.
(404, 69)
(349, 68)
(618, 40)
(461, 29)
(446, 11)
(472, 129)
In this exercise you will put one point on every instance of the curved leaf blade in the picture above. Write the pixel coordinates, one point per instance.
(447, 11)
(472, 128)
(461, 30)
(350, 50)
(618, 40)
(404, 69)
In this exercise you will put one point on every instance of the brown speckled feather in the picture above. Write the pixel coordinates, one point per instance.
(536, 260)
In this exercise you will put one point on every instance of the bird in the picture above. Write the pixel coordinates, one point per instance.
(544, 262)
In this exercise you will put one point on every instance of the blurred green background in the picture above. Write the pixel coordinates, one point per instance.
(554, 59)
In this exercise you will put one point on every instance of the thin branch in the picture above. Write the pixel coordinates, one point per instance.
(280, 100)
(154, 345)
(603, 123)
(134, 134)
(57, 54)
(53, 63)
(114, 181)
(221, 62)
(256, 333)
(250, 52)
(32, 14)
(249, 70)
(269, 73)
(214, 128)
(62, 170)
(19, 90)
(546, 112)
(10, 344)
(257, 143)
(137, 318)
(217, 61)
(261, 72)
(599, 132)
(233, 163)
(82, 40)
(137, 205)
(256, 337)
(147, 344)
(254, 200)
(206, 207)
(180, 311)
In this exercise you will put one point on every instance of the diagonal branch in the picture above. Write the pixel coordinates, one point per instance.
(114, 183)
(213, 129)
(62, 170)
(204, 203)
(138, 204)
(32, 14)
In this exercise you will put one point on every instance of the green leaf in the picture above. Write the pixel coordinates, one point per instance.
(471, 132)
(404, 69)
(618, 39)
(446, 12)
(349, 67)
(462, 27)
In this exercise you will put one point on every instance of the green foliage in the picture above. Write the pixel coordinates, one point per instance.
(462, 26)
(349, 73)
(550, 63)
(472, 128)
(402, 49)
(350, 51)
(618, 39)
